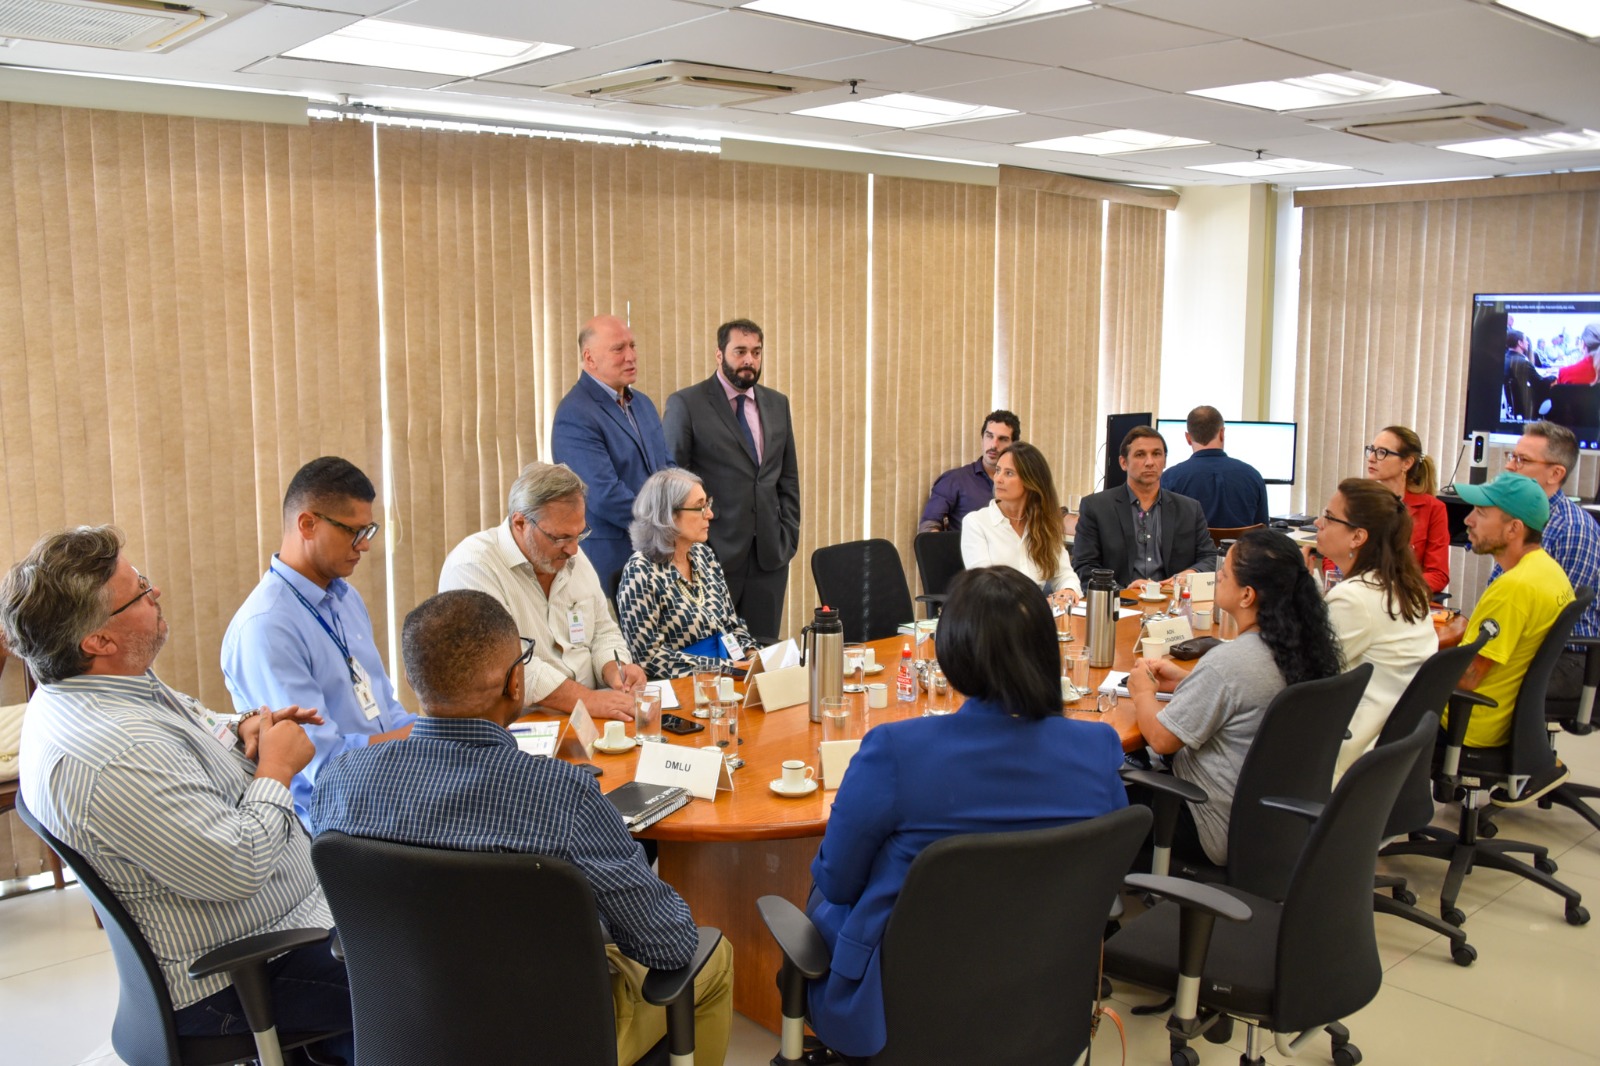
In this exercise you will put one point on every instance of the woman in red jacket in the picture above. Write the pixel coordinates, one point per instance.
(1395, 458)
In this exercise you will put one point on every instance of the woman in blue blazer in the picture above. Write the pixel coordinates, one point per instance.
(1007, 761)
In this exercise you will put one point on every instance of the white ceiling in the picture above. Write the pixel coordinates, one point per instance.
(1117, 64)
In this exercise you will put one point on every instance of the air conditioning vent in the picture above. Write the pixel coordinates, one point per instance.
(1469, 122)
(124, 25)
(673, 83)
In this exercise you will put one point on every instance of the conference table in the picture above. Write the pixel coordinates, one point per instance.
(722, 855)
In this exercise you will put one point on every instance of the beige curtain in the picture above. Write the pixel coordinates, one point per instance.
(190, 316)
(1385, 304)
(1130, 350)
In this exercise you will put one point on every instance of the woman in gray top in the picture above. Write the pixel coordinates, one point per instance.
(1284, 638)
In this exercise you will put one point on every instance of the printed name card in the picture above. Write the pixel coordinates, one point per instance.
(703, 771)
(583, 728)
(1202, 587)
(836, 756)
(778, 656)
(1167, 630)
(776, 689)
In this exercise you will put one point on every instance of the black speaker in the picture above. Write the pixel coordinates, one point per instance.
(1478, 465)
(1117, 427)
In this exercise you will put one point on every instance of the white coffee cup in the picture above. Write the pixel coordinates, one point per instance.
(877, 694)
(616, 733)
(872, 659)
(796, 774)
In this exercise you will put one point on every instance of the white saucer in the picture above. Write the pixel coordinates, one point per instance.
(777, 786)
(626, 745)
(875, 668)
(1158, 596)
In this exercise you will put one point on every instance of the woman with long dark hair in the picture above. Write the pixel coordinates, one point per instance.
(1380, 611)
(1021, 527)
(1284, 638)
(1007, 761)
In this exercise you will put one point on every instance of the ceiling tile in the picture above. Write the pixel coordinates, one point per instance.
(1043, 90)
(1185, 116)
(1064, 39)
(314, 70)
(1010, 129)
(584, 25)
(913, 68)
(1204, 66)
(1257, 19)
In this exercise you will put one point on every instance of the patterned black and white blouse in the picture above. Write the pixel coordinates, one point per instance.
(661, 613)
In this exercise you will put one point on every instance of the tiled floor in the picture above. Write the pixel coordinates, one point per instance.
(1530, 998)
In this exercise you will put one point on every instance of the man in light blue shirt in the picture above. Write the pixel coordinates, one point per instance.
(304, 637)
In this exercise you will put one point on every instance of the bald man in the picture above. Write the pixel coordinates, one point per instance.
(610, 435)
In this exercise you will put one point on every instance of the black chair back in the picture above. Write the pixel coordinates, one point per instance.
(865, 582)
(992, 953)
(459, 956)
(1428, 693)
(1327, 953)
(1292, 756)
(938, 561)
(1531, 751)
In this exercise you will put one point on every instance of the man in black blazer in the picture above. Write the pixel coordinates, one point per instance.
(737, 436)
(1138, 530)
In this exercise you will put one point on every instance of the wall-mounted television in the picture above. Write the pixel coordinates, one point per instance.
(1267, 446)
(1527, 361)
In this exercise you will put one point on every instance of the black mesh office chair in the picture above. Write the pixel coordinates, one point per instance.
(1576, 716)
(938, 562)
(1295, 967)
(1467, 776)
(864, 581)
(992, 952)
(470, 956)
(143, 1033)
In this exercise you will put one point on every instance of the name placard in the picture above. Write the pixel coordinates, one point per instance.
(776, 689)
(1202, 587)
(1167, 631)
(836, 756)
(703, 771)
(583, 728)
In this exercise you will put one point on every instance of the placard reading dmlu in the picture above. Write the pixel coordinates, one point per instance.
(700, 770)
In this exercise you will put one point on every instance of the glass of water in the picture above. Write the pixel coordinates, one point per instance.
(1074, 672)
(838, 719)
(855, 665)
(706, 690)
(647, 714)
(940, 699)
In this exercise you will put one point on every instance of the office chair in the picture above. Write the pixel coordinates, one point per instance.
(470, 956)
(1467, 775)
(864, 581)
(1429, 690)
(992, 952)
(1294, 967)
(1222, 536)
(938, 562)
(143, 1032)
(1576, 716)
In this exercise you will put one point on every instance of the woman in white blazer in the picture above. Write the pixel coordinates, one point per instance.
(1021, 527)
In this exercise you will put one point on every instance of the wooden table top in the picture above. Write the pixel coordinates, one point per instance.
(753, 811)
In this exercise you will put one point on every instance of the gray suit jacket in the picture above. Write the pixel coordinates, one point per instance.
(756, 509)
(1104, 537)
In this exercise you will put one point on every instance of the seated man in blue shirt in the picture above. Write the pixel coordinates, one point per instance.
(1231, 491)
(451, 784)
(303, 636)
(959, 492)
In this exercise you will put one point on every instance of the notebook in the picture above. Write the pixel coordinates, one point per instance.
(642, 805)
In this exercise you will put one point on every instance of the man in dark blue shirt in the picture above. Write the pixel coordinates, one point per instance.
(1231, 492)
(959, 492)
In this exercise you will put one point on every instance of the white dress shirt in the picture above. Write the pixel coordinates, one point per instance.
(575, 633)
(987, 539)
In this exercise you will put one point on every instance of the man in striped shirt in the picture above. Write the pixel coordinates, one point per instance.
(184, 813)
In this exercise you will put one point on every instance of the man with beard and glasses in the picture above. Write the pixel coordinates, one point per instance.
(532, 565)
(737, 436)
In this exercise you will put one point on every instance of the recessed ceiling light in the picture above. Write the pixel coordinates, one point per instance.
(402, 46)
(1318, 90)
(1542, 144)
(904, 111)
(912, 20)
(1580, 16)
(1112, 142)
(1267, 168)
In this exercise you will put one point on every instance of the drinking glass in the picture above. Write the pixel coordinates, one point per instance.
(1107, 702)
(838, 719)
(647, 714)
(705, 690)
(1075, 672)
(1227, 628)
(855, 665)
(940, 701)
(723, 727)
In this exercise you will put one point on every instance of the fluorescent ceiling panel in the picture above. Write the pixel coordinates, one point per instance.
(1318, 90)
(1543, 144)
(1580, 16)
(1112, 142)
(403, 46)
(903, 111)
(1267, 168)
(912, 20)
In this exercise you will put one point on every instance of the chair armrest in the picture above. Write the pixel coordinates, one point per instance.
(1586, 642)
(1164, 783)
(253, 949)
(335, 947)
(1192, 895)
(933, 597)
(1310, 810)
(1461, 704)
(662, 987)
(797, 938)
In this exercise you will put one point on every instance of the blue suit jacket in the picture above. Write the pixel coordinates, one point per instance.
(592, 436)
(917, 781)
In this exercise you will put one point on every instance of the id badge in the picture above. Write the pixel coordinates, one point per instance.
(734, 649)
(363, 686)
(220, 728)
(577, 633)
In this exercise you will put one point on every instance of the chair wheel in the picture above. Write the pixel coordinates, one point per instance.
(1545, 803)
(1346, 1055)
(1545, 865)
(1221, 1031)
(1404, 895)
(1454, 916)
(1488, 830)
(1577, 914)
(1185, 1056)
(1464, 954)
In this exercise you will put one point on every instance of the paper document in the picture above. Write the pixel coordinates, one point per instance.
(1118, 682)
(669, 697)
(780, 655)
(1082, 611)
(536, 738)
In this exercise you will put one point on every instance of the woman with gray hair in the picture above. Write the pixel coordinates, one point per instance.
(673, 596)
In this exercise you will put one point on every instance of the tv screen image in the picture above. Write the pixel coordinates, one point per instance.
(1527, 361)
(1267, 446)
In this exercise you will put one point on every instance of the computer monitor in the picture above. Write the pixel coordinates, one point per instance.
(1267, 446)
(1117, 427)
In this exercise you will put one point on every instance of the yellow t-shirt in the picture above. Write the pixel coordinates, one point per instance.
(1524, 601)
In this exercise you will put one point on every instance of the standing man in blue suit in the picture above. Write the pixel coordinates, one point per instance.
(609, 434)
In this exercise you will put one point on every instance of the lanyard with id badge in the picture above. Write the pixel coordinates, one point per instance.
(359, 680)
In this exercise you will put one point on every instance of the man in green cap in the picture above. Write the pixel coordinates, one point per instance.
(1507, 519)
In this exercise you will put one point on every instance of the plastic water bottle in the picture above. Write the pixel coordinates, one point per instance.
(905, 683)
(1185, 609)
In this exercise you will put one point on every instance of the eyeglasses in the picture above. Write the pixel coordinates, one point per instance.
(1329, 516)
(704, 507)
(145, 588)
(576, 538)
(1516, 459)
(358, 535)
(522, 660)
(1374, 451)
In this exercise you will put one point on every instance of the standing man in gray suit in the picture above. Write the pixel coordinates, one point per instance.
(738, 437)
